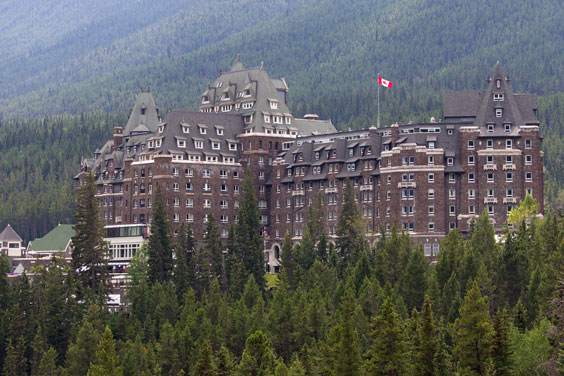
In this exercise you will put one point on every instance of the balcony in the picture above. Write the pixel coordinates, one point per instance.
(300, 192)
(490, 200)
(407, 185)
(509, 200)
(490, 167)
(366, 187)
(331, 190)
(509, 166)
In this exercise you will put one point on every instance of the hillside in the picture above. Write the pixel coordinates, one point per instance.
(65, 57)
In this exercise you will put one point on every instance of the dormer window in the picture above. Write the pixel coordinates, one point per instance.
(185, 128)
(205, 99)
(498, 97)
(215, 145)
(198, 144)
(507, 128)
(288, 120)
(158, 143)
(143, 110)
(498, 83)
(161, 128)
(181, 143)
(219, 84)
(498, 112)
(203, 129)
(247, 105)
(491, 128)
(277, 119)
(450, 161)
(232, 146)
(266, 118)
(248, 119)
(246, 93)
(150, 143)
(351, 152)
(219, 131)
(431, 144)
(273, 104)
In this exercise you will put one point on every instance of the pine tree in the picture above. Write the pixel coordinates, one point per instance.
(501, 353)
(81, 352)
(427, 344)
(258, 357)
(387, 353)
(249, 242)
(473, 334)
(184, 264)
(306, 251)
(204, 363)
(214, 249)
(107, 361)
(342, 353)
(160, 247)
(289, 263)
(15, 363)
(224, 362)
(350, 229)
(47, 365)
(90, 251)
(442, 358)
(414, 279)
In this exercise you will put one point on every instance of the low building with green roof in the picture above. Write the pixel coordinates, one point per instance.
(57, 241)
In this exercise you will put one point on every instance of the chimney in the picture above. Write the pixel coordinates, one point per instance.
(373, 130)
(118, 136)
(395, 133)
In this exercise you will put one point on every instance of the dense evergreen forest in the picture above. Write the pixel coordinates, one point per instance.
(485, 307)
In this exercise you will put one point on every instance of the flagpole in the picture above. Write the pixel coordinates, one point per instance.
(378, 122)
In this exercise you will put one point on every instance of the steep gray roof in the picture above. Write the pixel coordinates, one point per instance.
(230, 125)
(480, 106)
(144, 112)
(9, 235)
(253, 85)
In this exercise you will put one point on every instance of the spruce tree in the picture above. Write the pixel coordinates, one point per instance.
(47, 365)
(473, 334)
(427, 344)
(214, 249)
(160, 247)
(204, 363)
(90, 252)
(386, 355)
(290, 270)
(350, 228)
(248, 232)
(184, 264)
(15, 363)
(501, 354)
(258, 357)
(107, 361)
(414, 279)
(306, 251)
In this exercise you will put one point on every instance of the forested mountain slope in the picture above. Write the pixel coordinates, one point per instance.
(75, 58)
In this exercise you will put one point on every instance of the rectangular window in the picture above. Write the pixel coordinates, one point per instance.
(528, 144)
(508, 144)
(490, 144)
(490, 177)
(471, 160)
(471, 178)
(470, 144)
(498, 112)
(491, 128)
(471, 194)
(529, 177)
(431, 177)
(471, 209)
(431, 193)
(528, 159)
(431, 160)
(509, 177)
(507, 128)
(431, 227)
(451, 193)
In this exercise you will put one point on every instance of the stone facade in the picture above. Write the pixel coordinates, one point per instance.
(424, 178)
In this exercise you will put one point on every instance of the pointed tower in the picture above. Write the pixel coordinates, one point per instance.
(145, 112)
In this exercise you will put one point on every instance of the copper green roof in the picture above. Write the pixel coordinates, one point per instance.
(56, 240)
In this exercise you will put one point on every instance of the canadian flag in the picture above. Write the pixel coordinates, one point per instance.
(385, 83)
